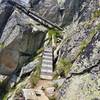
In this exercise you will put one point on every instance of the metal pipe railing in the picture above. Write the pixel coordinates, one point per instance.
(35, 16)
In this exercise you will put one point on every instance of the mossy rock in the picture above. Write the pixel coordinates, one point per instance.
(2, 46)
(96, 13)
(98, 27)
(85, 42)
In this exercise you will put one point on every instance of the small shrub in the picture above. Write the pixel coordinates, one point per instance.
(64, 66)
(53, 34)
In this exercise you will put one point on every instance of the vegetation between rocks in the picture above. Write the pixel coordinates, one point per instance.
(96, 13)
(53, 34)
(64, 66)
(2, 46)
(35, 75)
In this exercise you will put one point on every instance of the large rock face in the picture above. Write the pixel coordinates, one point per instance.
(82, 48)
(57, 11)
(5, 12)
(83, 81)
(76, 34)
(19, 42)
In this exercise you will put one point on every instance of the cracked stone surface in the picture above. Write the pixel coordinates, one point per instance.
(82, 81)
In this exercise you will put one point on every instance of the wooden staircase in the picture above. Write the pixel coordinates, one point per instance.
(47, 64)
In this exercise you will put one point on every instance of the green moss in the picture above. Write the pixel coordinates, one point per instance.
(5, 97)
(55, 85)
(52, 33)
(98, 27)
(55, 75)
(52, 98)
(83, 44)
(40, 50)
(87, 25)
(1, 45)
(35, 76)
(96, 13)
(92, 32)
(11, 91)
(64, 65)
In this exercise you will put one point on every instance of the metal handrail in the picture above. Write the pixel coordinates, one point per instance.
(35, 16)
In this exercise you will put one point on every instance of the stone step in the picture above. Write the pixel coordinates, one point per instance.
(46, 70)
(46, 73)
(46, 77)
(48, 54)
(47, 61)
(46, 65)
(48, 50)
(49, 67)
(47, 57)
(33, 94)
(29, 94)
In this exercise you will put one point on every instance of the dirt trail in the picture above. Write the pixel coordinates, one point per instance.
(44, 84)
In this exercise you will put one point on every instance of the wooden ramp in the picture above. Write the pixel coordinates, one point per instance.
(47, 64)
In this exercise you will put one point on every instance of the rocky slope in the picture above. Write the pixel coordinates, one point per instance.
(81, 49)
(78, 53)
(18, 41)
